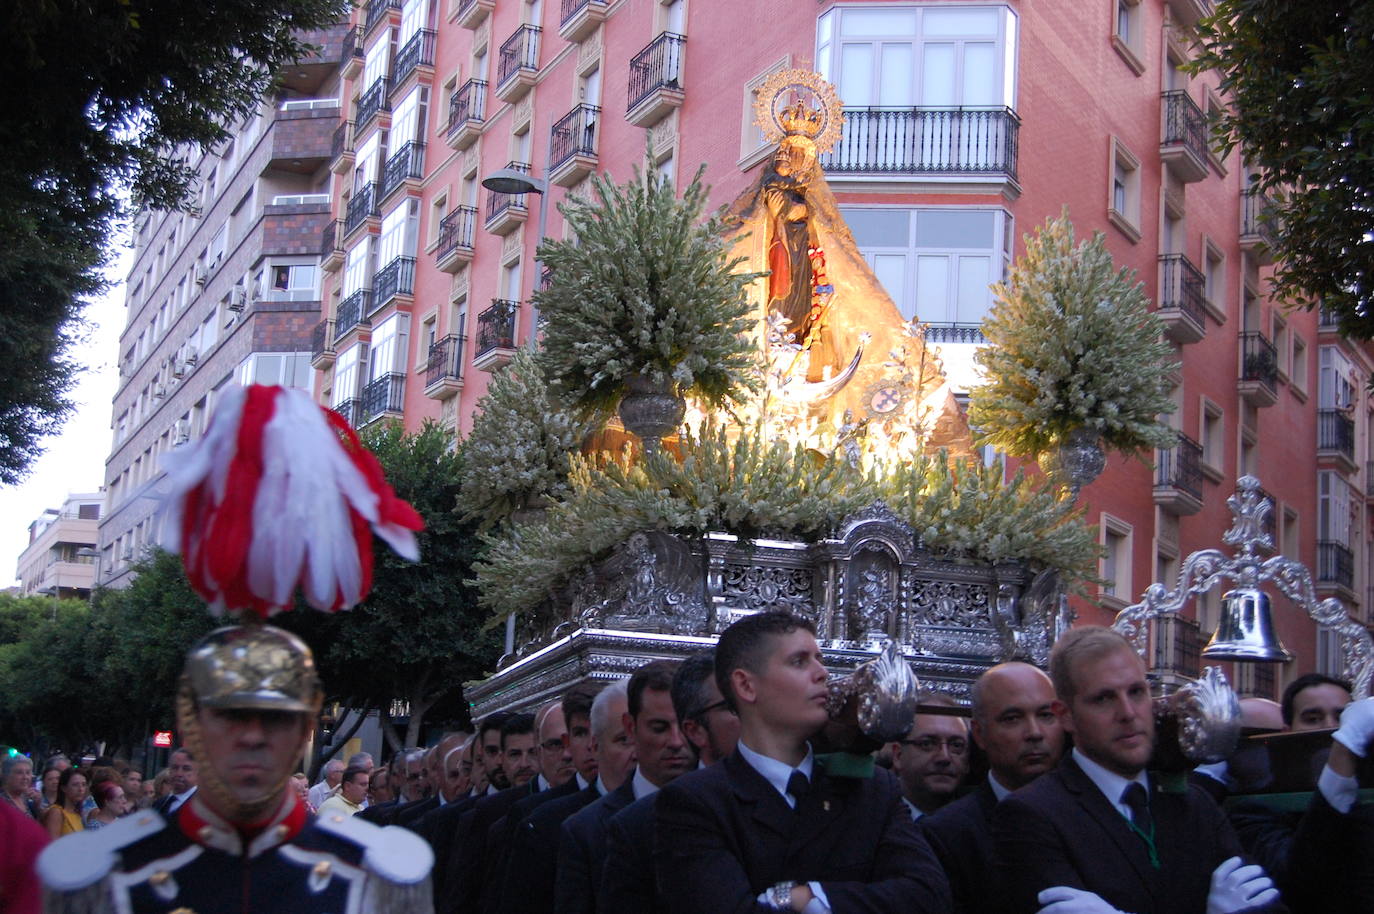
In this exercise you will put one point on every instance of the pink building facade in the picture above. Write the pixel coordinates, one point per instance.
(967, 125)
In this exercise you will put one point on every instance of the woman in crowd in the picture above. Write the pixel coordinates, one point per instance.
(302, 785)
(16, 785)
(110, 804)
(64, 816)
(133, 784)
(162, 785)
(51, 774)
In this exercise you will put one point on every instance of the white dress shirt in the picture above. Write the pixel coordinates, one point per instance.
(1110, 783)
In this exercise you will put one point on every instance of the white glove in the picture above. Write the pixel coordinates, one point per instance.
(1063, 899)
(1236, 887)
(1357, 726)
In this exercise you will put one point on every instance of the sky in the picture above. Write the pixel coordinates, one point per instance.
(74, 460)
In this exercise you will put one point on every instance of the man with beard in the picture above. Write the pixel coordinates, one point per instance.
(1097, 834)
(246, 706)
(769, 828)
(1015, 723)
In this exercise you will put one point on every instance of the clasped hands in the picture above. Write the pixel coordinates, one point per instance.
(1235, 887)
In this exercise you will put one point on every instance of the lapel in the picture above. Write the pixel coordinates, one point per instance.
(1111, 822)
(621, 797)
(823, 806)
(759, 799)
(987, 800)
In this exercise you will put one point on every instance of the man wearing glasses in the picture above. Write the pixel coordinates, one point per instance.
(933, 759)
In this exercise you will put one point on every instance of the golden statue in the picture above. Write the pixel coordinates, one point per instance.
(846, 372)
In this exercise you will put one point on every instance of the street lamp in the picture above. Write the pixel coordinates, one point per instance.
(510, 181)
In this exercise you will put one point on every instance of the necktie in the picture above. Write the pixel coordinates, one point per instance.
(1142, 823)
(798, 786)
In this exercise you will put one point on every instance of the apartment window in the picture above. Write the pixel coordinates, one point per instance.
(438, 208)
(389, 346)
(399, 231)
(1289, 534)
(289, 369)
(1282, 345)
(414, 16)
(348, 370)
(665, 168)
(1330, 657)
(1298, 377)
(919, 56)
(1214, 275)
(1123, 208)
(376, 64)
(940, 259)
(752, 146)
(292, 282)
(365, 171)
(1212, 439)
(408, 119)
(1337, 511)
(429, 335)
(1116, 560)
(1128, 34)
(358, 268)
(1246, 462)
(1335, 379)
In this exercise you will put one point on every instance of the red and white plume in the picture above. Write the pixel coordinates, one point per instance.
(279, 494)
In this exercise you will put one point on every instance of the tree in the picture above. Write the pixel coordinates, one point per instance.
(47, 673)
(105, 105)
(1073, 345)
(418, 637)
(1298, 78)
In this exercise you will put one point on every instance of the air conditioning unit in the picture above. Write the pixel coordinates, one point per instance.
(181, 431)
(128, 554)
(192, 357)
(238, 298)
(160, 392)
(202, 276)
(178, 368)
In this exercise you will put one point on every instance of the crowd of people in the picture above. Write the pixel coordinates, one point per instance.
(695, 786)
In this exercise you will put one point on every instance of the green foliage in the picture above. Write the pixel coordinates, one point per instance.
(1072, 345)
(751, 487)
(106, 104)
(517, 452)
(1298, 77)
(46, 673)
(646, 288)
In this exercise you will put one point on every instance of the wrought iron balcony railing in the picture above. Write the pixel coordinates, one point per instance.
(396, 278)
(1178, 646)
(331, 239)
(408, 162)
(352, 45)
(496, 326)
(1335, 564)
(361, 207)
(456, 230)
(658, 66)
(573, 135)
(353, 312)
(467, 104)
(386, 394)
(1184, 123)
(519, 52)
(1180, 467)
(569, 9)
(1336, 432)
(1182, 286)
(375, 99)
(342, 142)
(926, 141)
(418, 52)
(445, 360)
(376, 12)
(497, 202)
(1256, 218)
(1259, 359)
(322, 339)
(351, 409)
(955, 333)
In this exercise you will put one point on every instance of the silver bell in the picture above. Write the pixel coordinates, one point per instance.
(1246, 630)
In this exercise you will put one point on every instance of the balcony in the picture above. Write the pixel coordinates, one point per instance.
(331, 246)
(415, 59)
(1178, 478)
(405, 169)
(955, 333)
(518, 64)
(1183, 143)
(322, 345)
(373, 102)
(506, 212)
(341, 149)
(656, 80)
(579, 18)
(1258, 384)
(379, 11)
(351, 410)
(1188, 12)
(1335, 565)
(352, 53)
(1182, 299)
(466, 114)
(496, 335)
(456, 231)
(384, 398)
(1336, 438)
(1177, 647)
(1256, 227)
(572, 146)
(362, 208)
(926, 141)
(444, 371)
(1328, 320)
(472, 12)
(353, 312)
(396, 280)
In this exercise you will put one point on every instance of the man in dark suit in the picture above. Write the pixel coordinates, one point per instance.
(1096, 835)
(768, 828)
(182, 775)
(531, 868)
(434, 770)
(466, 856)
(1015, 723)
(662, 755)
(931, 761)
(712, 729)
(408, 774)
(440, 827)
